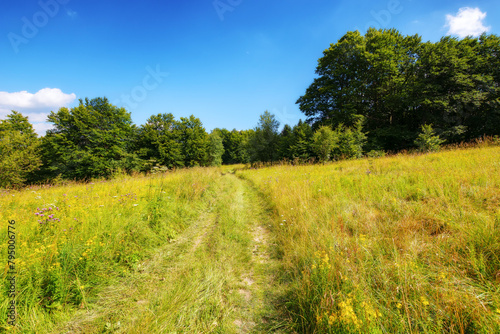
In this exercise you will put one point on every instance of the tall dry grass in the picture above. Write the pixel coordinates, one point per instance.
(404, 244)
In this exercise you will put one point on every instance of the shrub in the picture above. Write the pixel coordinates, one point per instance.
(427, 141)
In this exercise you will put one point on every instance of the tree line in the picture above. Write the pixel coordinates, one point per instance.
(97, 140)
(379, 92)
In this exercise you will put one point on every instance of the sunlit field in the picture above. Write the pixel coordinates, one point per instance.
(401, 244)
(405, 244)
(73, 240)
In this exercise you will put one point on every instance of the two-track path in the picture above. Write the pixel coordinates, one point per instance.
(217, 277)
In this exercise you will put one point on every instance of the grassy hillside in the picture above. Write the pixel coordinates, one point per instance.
(405, 244)
(74, 240)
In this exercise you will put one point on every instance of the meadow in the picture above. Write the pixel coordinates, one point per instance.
(402, 244)
(73, 240)
(399, 244)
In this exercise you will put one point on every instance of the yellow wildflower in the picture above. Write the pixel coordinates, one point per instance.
(370, 311)
(325, 258)
(424, 301)
(347, 313)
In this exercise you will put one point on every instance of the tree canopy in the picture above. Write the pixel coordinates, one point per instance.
(263, 144)
(90, 140)
(398, 83)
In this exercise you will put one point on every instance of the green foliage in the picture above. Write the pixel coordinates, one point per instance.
(350, 141)
(427, 141)
(19, 156)
(234, 142)
(324, 140)
(375, 154)
(88, 141)
(194, 141)
(158, 141)
(228, 144)
(286, 138)
(263, 143)
(300, 144)
(215, 149)
(243, 151)
(399, 83)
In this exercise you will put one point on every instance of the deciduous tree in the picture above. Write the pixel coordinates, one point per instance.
(19, 154)
(91, 140)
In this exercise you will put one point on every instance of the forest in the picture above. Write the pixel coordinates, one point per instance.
(374, 93)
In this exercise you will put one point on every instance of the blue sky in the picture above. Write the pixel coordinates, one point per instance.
(224, 61)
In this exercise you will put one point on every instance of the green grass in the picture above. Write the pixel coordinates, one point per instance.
(215, 278)
(184, 252)
(99, 233)
(402, 244)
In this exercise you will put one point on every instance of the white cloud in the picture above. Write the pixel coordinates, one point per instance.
(36, 106)
(47, 97)
(41, 128)
(467, 22)
(36, 117)
(4, 112)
